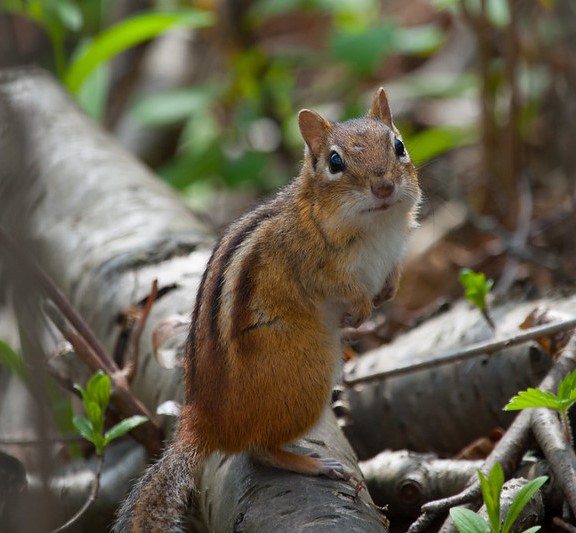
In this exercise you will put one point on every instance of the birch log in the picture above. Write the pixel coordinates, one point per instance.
(105, 227)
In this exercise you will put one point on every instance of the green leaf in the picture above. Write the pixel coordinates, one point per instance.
(491, 489)
(466, 521)
(418, 40)
(433, 142)
(567, 387)
(123, 427)
(476, 287)
(532, 529)
(95, 415)
(498, 13)
(520, 501)
(69, 14)
(533, 398)
(171, 106)
(84, 427)
(82, 392)
(363, 50)
(126, 34)
(93, 94)
(11, 359)
(98, 389)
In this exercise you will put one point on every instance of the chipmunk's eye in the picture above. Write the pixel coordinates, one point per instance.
(335, 163)
(399, 148)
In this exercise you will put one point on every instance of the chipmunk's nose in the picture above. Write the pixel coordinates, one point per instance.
(383, 189)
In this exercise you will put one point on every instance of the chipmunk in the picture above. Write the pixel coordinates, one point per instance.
(264, 343)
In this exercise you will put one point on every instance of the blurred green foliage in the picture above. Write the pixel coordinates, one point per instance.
(238, 127)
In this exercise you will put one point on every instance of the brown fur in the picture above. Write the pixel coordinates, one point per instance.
(264, 343)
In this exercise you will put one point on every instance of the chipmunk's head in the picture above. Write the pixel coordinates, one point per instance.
(360, 167)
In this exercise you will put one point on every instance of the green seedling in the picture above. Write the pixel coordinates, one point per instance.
(467, 521)
(96, 397)
(536, 398)
(477, 288)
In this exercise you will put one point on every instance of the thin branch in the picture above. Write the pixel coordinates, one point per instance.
(40, 442)
(552, 440)
(508, 451)
(86, 345)
(453, 356)
(131, 365)
(558, 522)
(59, 299)
(123, 399)
(89, 501)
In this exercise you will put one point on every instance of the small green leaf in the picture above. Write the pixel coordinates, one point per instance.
(93, 94)
(520, 501)
(491, 488)
(69, 14)
(567, 387)
(84, 427)
(466, 521)
(362, 50)
(418, 40)
(123, 427)
(95, 415)
(498, 13)
(433, 142)
(98, 389)
(126, 34)
(476, 287)
(82, 392)
(171, 106)
(532, 529)
(533, 398)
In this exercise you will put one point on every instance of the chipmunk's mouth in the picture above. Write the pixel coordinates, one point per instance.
(383, 207)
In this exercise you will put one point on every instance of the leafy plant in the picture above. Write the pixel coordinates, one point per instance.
(125, 35)
(536, 398)
(96, 397)
(56, 17)
(64, 21)
(477, 288)
(467, 521)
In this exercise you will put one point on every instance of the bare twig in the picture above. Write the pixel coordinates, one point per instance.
(558, 522)
(59, 299)
(550, 436)
(508, 451)
(90, 499)
(132, 363)
(69, 321)
(40, 442)
(148, 434)
(462, 354)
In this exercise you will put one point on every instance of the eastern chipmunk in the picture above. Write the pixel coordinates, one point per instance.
(264, 343)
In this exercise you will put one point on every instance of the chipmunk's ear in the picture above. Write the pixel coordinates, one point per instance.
(380, 108)
(314, 130)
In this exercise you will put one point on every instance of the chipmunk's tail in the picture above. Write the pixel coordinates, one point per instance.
(160, 499)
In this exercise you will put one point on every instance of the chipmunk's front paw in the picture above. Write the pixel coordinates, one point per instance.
(358, 312)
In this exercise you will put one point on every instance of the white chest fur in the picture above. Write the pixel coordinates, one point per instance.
(378, 253)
